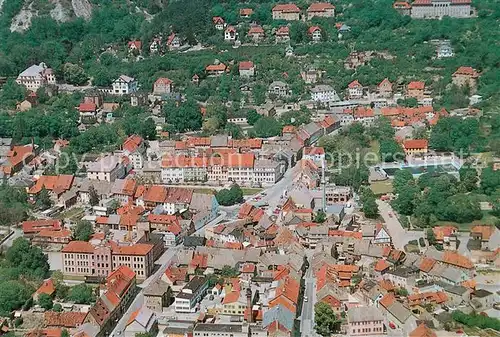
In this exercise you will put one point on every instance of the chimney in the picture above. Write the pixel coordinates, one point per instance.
(249, 305)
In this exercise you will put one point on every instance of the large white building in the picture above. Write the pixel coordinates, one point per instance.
(432, 9)
(36, 76)
(324, 93)
(124, 85)
(107, 168)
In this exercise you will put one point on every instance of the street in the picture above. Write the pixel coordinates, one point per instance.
(17, 233)
(400, 236)
(307, 315)
(275, 192)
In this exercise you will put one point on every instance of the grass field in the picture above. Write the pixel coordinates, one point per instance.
(251, 191)
(487, 219)
(381, 187)
(73, 214)
(207, 190)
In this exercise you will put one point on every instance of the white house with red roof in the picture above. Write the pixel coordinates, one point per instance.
(256, 33)
(246, 69)
(135, 149)
(219, 22)
(155, 45)
(162, 86)
(173, 41)
(134, 45)
(355, 90)
(384, 88)
(315, 154)
(230, 34)
(282, 34)
(315, 33)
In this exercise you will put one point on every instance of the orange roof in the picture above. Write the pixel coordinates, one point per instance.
(471, 284)
(443, 231)
(136, 43)
(163, 80)
(381, 265)
(415, 144)
(285, 302)
(87, 107)
(289, 129)
(331, 301)
(246, 11)
(240, 160)
(252, 143)
(47, 332)
(216, 67)
(156, 193)
(286, 8)
(427, 264)
(385, 82)
(288, 287)
(313, 29)
(467, 71)
(78, 247)
(133, 316)
(47, 287)
(387, 285)
(47, 233)
(232, 297)
(139, 249)
(320, 7)
(416, 85)
(132, 143)
(58, 184)
(313, 150)
(458, 260)
(256, 30)
(401, 4)
(422, 331)
(327, 122)
(163, 218)
(484, 231)
(175, 274)
(217, 20)
(248, 268)
(363, 112)
(387, 300)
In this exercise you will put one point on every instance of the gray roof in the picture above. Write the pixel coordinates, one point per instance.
(125, 78)
(452, 274)
(266, 163)
(218, 327)
(457, 290)
(311, 128)
(278, 84)
(219, 141)
(145, 317)
(278, 314)
(399, 311)
(201, 201)
(157, 288)
(101, 187)
(105, 164)
(481, 293)
(364, 314)
(322, 88)
(33, 71)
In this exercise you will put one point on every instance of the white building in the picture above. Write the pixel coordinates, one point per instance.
(192, 293)
(425, 9)
(36, 76)
(444, 50)
(324, 93)
(230, 34)
(124, 85)
(107, 168)
(267, 172)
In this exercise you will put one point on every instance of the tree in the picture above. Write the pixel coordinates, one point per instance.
(148, 129)
(185, 117)
(468, 178)
(490, 180)
(81, 294)
(231, 196)
(390, 150)
(93, 196)
(65, 333)
(228, 271)
(27, 260)
(407, 199)
(12, 93)
(235, 131)
(320, 217)
(431, 237)
(43, 200)
(74, 74)
(45, 301)
(370, 207)
(402, 292)
(401, 179)
(13, 294)
(253, 116)
(267, 127)
(325, 319)
(83, 231)
(57, 307)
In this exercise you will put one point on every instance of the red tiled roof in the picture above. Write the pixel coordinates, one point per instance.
(78, 247)
(136, 43)
(246, 65)
(132, 143)
(422, 331)
(35, 226)
(163, 80)
(286, 8)
(217, 20)
(246, 11)
(87, 107)
(387, 300)
(283, 30)
(415, 144)
(256, 30)
(444, 231)
(47, 332)
(484, 231)
(64, 319)
(313, 29)
(47, 233)
(216, 67)
(313, 150)
(458, 260)
(381, 265)
(354, 84)
(58, 184)
(232, 297)
(416, 85)
(138, 249)
(427, 264)
(320, 7)
(47, 287)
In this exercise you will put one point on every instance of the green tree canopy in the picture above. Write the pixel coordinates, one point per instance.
(83, 231)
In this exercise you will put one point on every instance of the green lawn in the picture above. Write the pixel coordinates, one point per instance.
(73, 214)
(381, 187)
(251, 191)
(487, 219)
(206, 190)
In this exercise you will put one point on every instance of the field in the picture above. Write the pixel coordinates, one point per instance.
(73, 214)
(381, 187)
(487, 219)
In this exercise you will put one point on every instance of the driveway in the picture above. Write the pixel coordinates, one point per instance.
(400, 236)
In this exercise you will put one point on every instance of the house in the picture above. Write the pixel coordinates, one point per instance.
(195, 79)
(324, 93)
(24, 105)
(48, 236)
(48, 288)
(315, 154)
(278, 320)
(65, 320)
(230, 34)
(123, 190)
(33, 227)
(444, 50)
(87, 110)
(465, 76)
(220, 330)
(488, 237)
(315, 33)
(162, 86)
(215, 69)
(124, 85)
(384, 88)
(219, 22)
(246, 69)
(403, 7)
(282, 34)
(107, 169)
(422, 331)
(320, 9)
(402, 277)
(415, 89)
(191, 294)
(256, 33)
(288, 12)
(157, 295)
(134, 46)
(234, 303)
(279, 89)
(56, 185)
(246, 13)
(355, 90)
(365, 321)
(36, 76)
(415, 146)
(173, 41)
(155, 46)
(432, 9)
(141, 321)
(381, 235)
